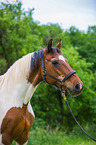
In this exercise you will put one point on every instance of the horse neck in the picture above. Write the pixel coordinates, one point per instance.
(35, 76)
(21, 80)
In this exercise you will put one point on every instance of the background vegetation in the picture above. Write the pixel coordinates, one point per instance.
(19, 35)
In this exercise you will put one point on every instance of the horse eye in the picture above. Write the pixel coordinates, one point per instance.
(55, 62)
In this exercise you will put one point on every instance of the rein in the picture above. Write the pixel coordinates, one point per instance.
(64, 97)
(63, 92)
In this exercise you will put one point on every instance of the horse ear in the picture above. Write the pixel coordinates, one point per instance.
(59, 44)
(50, 44)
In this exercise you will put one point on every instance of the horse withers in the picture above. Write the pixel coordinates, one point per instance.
(18, 84)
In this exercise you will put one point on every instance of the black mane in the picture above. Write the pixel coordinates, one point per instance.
(35, 58)
(37, 55)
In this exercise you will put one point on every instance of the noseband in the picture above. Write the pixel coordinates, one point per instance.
(45, 73)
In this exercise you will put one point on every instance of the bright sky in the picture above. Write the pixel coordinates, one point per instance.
(79, 13)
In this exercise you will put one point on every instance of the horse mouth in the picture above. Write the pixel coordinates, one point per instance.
(74, 92)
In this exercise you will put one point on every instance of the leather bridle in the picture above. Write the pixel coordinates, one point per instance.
(45, 73)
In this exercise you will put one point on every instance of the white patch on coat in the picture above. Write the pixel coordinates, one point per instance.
(1, 140)
(61, 58)
(30, 109)
(29, 93)
(16, 73)
(23, 144)
(15, 90)
(15, 98)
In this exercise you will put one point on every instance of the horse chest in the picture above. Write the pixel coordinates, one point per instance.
(16, 124)
(15, 97)
(16, 115)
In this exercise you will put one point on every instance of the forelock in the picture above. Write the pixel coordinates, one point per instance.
(54, 50)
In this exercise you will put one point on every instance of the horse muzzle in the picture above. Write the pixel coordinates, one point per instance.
(76, 90)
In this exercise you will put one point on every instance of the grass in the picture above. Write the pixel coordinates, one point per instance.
(41, 136)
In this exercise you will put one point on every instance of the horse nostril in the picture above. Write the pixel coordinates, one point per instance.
(77, 87)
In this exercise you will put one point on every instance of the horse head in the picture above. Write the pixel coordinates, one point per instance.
(56, 68)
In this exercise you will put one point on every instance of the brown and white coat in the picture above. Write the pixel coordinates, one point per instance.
(18, 84)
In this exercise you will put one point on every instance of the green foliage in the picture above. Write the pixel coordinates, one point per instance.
(16, 32)
(20, 34)
(86, 43)
(2, 65)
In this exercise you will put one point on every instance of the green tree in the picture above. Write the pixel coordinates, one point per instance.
(18, 34)
(86, 43)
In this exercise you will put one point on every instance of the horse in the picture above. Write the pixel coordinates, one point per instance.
(20, 81)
